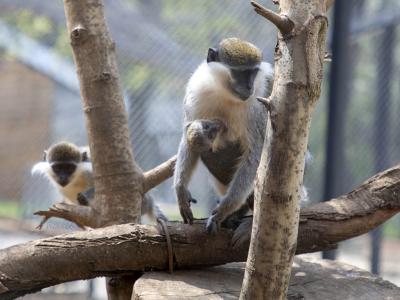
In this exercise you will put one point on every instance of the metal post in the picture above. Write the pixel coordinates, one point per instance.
(384, 71)
(339, 91)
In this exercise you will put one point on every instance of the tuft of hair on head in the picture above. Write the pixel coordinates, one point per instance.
(236, 52)
(64, 151)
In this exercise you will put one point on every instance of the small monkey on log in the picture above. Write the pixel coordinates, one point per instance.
(69, 169)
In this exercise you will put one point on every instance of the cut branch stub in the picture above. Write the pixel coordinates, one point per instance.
(283, 23)
(158, 174)
(79, 35)
(271, 110)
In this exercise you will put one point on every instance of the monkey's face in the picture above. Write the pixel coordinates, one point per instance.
(63, 172)
(242, 82)
(243, 61)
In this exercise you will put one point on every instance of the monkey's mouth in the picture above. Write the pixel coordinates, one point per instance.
(243, 95)
(63, 182)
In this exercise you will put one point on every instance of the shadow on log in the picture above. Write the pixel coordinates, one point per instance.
(121, 249)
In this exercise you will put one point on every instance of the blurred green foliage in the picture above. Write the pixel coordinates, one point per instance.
(31, 24)
(41, 28)
(10, 209)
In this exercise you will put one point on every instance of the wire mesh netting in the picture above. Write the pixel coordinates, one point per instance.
(159, 45)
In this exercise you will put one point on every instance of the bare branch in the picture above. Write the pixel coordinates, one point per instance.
(78, 214)
(155, 176)
(266, 102)
(283, 23)
(109, 251)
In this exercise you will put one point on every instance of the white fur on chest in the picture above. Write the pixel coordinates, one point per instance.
(78, 185)
(81, 181)
(207, 98)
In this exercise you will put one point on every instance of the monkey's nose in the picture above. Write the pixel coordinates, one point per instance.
(62, 181)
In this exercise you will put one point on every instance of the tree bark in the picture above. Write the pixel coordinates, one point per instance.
(117, 178)
(155, 176)
(122, 249)
(299, 57)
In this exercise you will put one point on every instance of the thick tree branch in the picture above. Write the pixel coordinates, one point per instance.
(283, 23)
(296, 89)
(118, 180)
(121, 249)
(155, 176)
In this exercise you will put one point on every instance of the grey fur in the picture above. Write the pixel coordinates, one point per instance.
(242, 233)
(242, 183)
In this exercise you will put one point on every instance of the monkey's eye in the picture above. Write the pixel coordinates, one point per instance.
(66, 168)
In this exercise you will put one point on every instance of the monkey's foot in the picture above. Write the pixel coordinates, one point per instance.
(78, 214)
(242, 234)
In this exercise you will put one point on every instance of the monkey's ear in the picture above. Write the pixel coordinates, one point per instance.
(212, 55)
(186, 125)
(85, 156)
(44, 155)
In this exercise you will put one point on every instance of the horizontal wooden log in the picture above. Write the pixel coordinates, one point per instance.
(121, 249)
(311, 279)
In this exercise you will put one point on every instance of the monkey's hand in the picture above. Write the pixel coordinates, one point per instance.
(184, 201)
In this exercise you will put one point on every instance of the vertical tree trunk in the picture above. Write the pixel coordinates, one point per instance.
(118, 180)
(299, 57)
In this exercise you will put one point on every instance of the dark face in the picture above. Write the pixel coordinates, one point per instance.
(63, 172)
(242, 83)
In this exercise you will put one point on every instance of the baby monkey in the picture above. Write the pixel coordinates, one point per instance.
(69, 168)
(204, 135)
